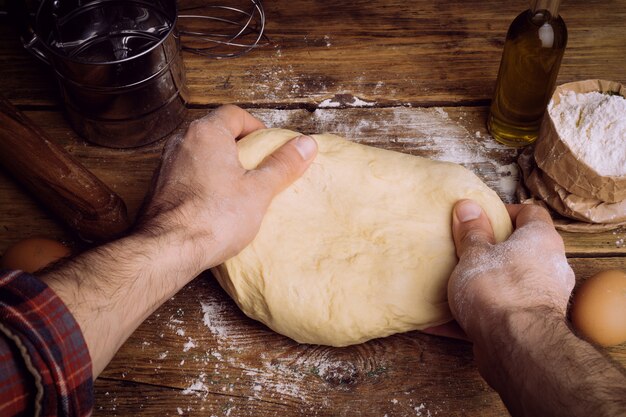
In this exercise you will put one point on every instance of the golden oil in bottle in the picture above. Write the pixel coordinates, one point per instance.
(532, 55)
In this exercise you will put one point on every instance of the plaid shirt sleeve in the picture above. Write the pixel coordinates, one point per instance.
(45, 368)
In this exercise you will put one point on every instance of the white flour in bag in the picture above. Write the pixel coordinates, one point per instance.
(593, 125)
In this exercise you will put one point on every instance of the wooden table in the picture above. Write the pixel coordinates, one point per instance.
(410, 76)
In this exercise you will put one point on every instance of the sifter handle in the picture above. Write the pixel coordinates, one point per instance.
(58, 180)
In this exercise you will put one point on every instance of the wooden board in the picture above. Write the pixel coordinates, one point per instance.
(199, 353)
(385, 51)
(409, 76)
(455, 134)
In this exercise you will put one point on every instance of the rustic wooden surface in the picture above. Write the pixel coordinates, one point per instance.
(410, 76)
(387, 51)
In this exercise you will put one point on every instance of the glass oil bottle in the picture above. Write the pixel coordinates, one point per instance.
(530, 63)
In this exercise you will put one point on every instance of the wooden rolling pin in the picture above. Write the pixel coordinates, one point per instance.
(58, 180)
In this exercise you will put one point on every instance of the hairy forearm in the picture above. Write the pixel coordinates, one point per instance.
(112, 289)
(540, 368)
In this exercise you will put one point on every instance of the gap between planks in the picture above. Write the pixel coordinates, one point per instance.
(180, 390)
(311, 107)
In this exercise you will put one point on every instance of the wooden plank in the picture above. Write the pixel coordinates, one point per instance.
(119, 398)
(587, 267)
(215, 357)
(236, 364)
(199, 353)
(455, 134)
(385, 51)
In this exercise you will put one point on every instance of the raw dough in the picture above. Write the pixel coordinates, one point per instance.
(360, 247)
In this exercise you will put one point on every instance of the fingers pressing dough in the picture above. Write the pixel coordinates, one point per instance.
(359, 247)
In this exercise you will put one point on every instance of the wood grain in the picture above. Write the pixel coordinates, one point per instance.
(385, 51)
(238, 367)
(199, 353)
(422, 73)
(455, 134)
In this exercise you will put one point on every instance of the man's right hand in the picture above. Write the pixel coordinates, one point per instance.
(527, 271)
(511, 299)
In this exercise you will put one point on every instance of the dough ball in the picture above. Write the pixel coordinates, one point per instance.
(360, 247)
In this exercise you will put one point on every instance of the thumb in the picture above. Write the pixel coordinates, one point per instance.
(287, 163)
(470, 226)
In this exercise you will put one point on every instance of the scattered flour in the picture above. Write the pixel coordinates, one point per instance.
(285, 377)
(211, 318)
(225, 374)
(593, 125)
(275, 118)
(361, 103)
(189, 345)
(174, 324)
(431, 132)
(509, 178)
(356, 102)
(420, 410)
(198, 387)
(620, 238)
(328, 103)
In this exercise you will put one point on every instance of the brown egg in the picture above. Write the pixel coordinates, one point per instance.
(599, 308)
(33, 254)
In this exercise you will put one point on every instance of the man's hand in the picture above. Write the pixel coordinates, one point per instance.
(527, 271)
(204, 199)
(510, 299)
(204, 208)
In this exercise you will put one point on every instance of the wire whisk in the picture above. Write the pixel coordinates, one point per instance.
(229, 30)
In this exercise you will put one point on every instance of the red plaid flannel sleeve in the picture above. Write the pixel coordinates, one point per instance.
(45, 368)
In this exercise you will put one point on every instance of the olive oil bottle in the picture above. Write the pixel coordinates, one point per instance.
(530, 63)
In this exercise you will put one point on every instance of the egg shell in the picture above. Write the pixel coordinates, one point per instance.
(599, 308)
(33, 254)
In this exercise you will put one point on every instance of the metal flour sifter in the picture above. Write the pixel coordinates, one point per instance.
(119, 65)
